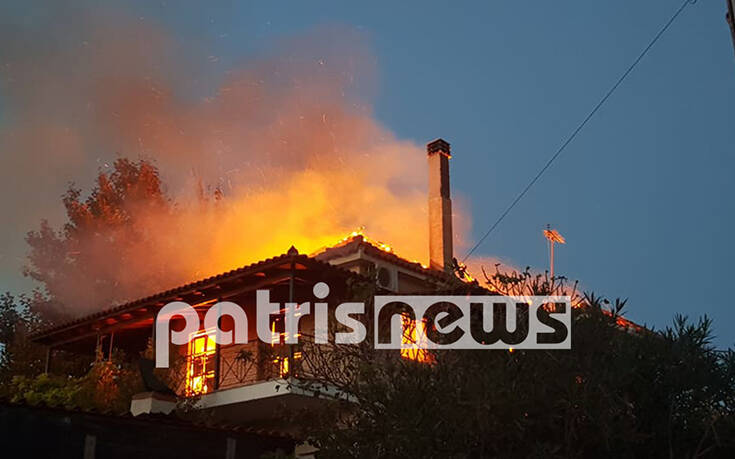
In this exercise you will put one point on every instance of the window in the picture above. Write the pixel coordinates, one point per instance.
(278, 338)
(200, 363)
(417, 341)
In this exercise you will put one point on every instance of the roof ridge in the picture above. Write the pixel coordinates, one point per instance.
(360, 239)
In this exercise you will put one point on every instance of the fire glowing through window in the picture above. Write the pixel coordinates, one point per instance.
(278, 337)
(416, 339)
(200, 363)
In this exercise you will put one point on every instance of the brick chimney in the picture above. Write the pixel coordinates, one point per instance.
(440, 207)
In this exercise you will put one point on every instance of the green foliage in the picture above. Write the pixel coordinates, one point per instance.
(46, 389)
(10, 315)
(621, 391)
(107, 387)
(18, 355)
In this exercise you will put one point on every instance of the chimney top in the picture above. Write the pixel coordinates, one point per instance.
(440, 206)
(440, 146)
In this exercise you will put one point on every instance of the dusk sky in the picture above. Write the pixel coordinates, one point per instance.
(643, 195)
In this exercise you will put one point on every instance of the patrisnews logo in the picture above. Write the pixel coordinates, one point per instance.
(475, 322)
(436, 322)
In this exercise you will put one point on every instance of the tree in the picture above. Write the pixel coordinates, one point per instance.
(82, 266)
(9, 318)
(18, 355)
(621, 391)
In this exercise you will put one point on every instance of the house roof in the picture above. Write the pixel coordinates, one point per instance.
(382, 252)
(254, 274)
(209, 288)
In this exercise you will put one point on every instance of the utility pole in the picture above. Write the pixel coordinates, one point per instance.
(731, 19)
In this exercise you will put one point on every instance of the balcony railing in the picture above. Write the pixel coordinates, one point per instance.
(244, 364)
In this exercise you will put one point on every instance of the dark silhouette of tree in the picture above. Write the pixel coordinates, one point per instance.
(621, 391)
(18, 356)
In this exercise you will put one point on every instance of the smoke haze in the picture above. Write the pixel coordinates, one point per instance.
(288, 136)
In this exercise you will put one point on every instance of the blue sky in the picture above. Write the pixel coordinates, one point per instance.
(643, 195)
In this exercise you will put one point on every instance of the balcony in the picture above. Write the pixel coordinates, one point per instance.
(255, 381)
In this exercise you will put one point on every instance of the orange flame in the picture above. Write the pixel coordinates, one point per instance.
(415, 339)
(286, 150)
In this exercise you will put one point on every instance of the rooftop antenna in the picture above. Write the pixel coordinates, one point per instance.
(553, 236)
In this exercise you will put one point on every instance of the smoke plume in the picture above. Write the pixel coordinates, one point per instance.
(287, 136)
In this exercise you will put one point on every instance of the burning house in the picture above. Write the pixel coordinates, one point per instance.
(235, 382)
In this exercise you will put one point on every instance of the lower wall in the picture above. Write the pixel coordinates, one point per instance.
(27, 431)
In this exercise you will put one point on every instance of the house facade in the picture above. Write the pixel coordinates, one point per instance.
(235, 383)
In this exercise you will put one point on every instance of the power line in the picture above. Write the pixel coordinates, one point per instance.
(581, 125)
(731, 18)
